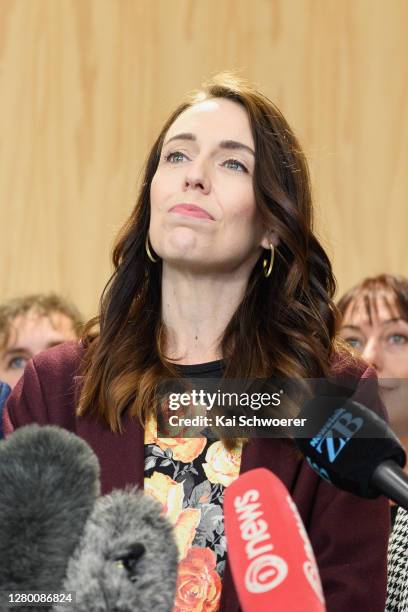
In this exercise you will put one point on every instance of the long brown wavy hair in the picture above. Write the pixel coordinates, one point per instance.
(284, 325)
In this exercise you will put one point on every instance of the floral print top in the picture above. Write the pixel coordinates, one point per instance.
(188, 477)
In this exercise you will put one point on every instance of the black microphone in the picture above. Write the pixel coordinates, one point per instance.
(354, 449)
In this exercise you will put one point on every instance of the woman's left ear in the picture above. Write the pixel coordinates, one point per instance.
(271, 236)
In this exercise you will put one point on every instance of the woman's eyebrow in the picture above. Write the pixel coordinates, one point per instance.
(234, 144)
(184, 136)
(224, 144)
(12, 352)
(353, 327)
(394, 320)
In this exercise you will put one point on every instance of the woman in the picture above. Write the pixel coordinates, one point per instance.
(375, 323)
(217, 273)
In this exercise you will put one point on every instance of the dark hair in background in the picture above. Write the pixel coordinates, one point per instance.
(391, 289)
(42, 304)
(285, 324)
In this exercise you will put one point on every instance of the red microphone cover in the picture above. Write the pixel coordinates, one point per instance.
(270, 555)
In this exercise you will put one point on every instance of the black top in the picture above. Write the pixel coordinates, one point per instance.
(211, 369)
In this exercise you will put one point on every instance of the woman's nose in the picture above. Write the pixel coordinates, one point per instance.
(197, 177)
(372, 353)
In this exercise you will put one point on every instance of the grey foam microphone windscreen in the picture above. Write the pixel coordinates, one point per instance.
(49, 480)
(127, 558)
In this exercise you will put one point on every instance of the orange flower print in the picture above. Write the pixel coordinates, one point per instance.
(198, 584)
(222, 466)
(170, 494)
(184, 449)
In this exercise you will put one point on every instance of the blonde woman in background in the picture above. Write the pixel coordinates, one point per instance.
(375, 323)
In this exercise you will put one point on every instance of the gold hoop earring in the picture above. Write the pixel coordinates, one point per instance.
(267, 266)
(148, 251)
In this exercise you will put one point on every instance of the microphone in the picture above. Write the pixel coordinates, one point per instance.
(127, 558)
(116, 553)
(49, 480)
(354, 449)
(271, 557)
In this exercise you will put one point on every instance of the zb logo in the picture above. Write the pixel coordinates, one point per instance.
(338, 434)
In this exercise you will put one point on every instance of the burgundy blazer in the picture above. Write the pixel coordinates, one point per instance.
(349, 535)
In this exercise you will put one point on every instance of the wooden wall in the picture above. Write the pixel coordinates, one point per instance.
(85, 85)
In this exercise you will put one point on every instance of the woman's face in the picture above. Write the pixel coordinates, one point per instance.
(203, 211)
(383, 343)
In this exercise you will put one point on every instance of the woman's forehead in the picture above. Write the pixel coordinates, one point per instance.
(226, 118)
(371, 308)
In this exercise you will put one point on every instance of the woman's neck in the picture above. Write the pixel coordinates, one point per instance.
(196, 311)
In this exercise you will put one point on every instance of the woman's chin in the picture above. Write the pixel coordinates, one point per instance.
(187, 262)
(183, 247)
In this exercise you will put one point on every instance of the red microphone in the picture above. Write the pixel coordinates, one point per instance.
(270, 554)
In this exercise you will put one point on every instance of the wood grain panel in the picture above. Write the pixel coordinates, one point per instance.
(86, 84)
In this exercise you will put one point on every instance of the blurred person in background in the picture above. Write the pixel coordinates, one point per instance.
(4, 393)
(375, 323)
(31, 324)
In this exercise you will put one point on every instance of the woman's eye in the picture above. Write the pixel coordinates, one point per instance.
(356, 343)
(234, 164)
(175, 157)
(397, 339)
(17, 363)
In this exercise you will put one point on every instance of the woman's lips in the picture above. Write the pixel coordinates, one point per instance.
(191, 210)
(388, 385)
